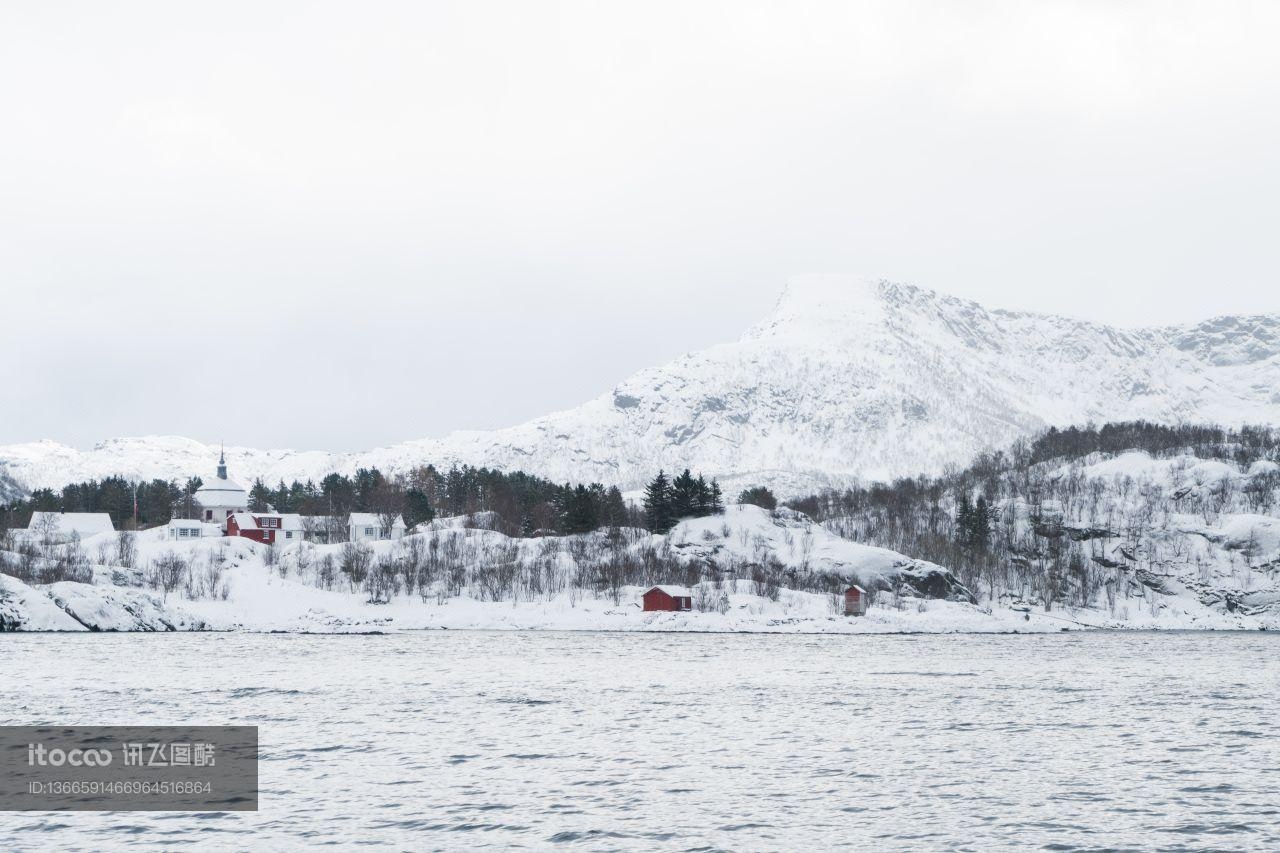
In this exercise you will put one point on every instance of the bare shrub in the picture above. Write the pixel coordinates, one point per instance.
(414, 557)
(705, 598)
(496, 574)
(68, 564)
(208, 582)
(326, 572)
(354, 562)
(382, 581)
(127, 549)
(168, 572)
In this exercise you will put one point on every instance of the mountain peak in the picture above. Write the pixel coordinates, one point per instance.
(825, 306)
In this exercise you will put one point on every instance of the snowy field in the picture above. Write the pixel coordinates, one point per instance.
(609, 741)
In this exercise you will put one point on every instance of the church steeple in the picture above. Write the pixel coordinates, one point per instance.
(222, 464)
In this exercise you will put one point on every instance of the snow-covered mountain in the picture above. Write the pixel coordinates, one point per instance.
(846, 378)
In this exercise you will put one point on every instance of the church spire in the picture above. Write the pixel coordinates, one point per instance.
(222, 464)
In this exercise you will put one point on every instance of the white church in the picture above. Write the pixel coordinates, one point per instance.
(222, 497)
(224, 502)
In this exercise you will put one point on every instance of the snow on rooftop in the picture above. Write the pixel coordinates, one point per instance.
(674, 591)
(372, 519)
(221, 492)
(83, 523)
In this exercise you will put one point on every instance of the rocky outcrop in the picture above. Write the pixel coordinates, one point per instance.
(929, 581)
(70, 606)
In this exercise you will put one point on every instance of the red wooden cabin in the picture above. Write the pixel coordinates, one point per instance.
(668, 598)
(855, 601)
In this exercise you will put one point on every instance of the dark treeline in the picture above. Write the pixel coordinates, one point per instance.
(519, 504)
(1244, 446)
(157, 501)
(666, 501)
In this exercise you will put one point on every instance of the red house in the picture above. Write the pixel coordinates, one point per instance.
(668, 598)
(855, 601)
(245, 525)
(262, 527)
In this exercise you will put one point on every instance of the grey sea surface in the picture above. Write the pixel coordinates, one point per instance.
(453, 740)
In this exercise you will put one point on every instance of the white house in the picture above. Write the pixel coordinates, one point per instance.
(62, 526)
(185, 528)
(221, 498)
(368, 525)
(291, 529)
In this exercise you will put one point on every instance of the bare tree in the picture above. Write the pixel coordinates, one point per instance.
(127, 549)
(355, 560)
(168, 572)
(388, 505)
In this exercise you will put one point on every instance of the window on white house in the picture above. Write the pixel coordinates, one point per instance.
(368, 531)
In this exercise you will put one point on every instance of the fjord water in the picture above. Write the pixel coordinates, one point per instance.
(465, 740)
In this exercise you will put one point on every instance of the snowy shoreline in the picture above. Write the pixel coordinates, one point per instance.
(286, 607)
(234, 584)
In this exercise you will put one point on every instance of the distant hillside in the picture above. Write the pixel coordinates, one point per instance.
(847, 379)
(1119, 518)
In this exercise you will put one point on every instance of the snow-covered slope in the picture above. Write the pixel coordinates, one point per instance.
(749, 570)
(847, 378)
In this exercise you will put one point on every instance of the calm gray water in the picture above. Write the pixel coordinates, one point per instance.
(454, 741)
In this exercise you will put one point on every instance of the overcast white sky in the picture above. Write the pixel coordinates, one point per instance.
(336, 225)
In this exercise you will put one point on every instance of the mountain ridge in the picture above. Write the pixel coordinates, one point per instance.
(846, 379)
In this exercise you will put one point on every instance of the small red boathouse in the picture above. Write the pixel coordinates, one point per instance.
(668, 598)
(855, 601)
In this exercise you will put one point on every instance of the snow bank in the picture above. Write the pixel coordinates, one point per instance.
(25, 608)
(1246, 532)
(748, 534)
(103, 608)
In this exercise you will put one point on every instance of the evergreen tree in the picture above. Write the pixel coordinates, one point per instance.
(980, 527)
(280, 499)
(187, 507)
(417, 508)
(367, 483)
(717, 499)
(759, 496)
(615, 508)
(259, 497)
(657, 504)
(702, 499)
(580, 510)
(298, 496)
(684, 495)
(115, 496)
(964, 521)
(337, 496)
